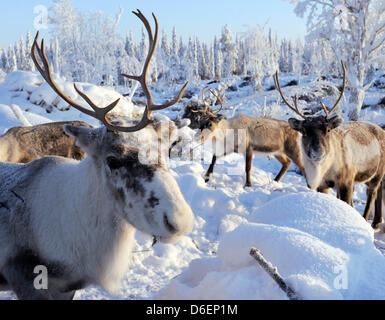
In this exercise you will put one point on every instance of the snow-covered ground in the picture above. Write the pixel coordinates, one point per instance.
(320, 245)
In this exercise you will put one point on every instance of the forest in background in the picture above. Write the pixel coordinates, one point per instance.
(86, 47)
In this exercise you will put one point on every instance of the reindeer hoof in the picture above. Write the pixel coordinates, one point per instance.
(208, 177)
(375, 224)
(248, 184)
(378, 224)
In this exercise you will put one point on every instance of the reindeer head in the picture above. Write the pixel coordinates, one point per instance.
(128, 161)
(137, 177)
(315, 130)
(209, 120)
(315, 135)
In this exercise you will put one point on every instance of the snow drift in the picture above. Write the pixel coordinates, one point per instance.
(320, 245)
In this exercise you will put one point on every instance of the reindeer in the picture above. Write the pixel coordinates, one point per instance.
(262, 135)
(78, 219)
(337, 155)
(24, 144)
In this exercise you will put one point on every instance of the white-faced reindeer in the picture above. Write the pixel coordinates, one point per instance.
(262, 135)
(78, 219)
(339, 156)
(24, 144)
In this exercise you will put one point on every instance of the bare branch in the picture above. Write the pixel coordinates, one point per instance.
(273, 273)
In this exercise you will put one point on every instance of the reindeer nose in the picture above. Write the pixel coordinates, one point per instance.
(168, 225)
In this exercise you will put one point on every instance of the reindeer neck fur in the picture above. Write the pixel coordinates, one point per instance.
(66, 231)
(223, 134)
(223, 125)
(316, 172)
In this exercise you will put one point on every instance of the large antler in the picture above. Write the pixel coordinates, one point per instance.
(142, 79)
(101, 113)
(295, 108)
(207, 109)
(341, 94)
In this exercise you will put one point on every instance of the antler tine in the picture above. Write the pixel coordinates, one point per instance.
(97, 113)
(278, 86)
(325, 109)
(101, 113)
(342, 90)
(142, 78)
(46, 74)
(220, 102)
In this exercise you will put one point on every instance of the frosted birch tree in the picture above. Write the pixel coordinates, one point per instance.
(355, 31)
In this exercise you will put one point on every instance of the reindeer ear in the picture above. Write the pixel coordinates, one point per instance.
(83, 135)
(295, 124)
(335, 121)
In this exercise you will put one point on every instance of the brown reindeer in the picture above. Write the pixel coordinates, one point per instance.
(262, 135)
(24, 144)
(339, 156)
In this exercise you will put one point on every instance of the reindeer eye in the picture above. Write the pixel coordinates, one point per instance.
(113, 163)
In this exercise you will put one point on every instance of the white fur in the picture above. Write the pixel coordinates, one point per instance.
(74, 218)
(314, 173)
(74, 226)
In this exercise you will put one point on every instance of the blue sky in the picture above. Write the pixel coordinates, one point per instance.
(203, 18)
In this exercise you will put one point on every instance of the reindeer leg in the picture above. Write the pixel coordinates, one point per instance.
(286, 162)
(371, 192)
(345, 193)
(209, 172)
(378, 207)
(374, 194)
(249, 163)
(369, 203)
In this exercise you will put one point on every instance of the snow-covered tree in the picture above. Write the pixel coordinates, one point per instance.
(22, 55)
(4, 60)
(355, 31)
(29, 63)
(88, 43)
(258, 56)
(211, 62)
(175, 59)
(130, 45)
(229, 52)
(218, 59)
(12, 60)
(175, 44)
(192, 59)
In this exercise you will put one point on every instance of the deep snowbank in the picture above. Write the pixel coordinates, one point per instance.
(320, 245)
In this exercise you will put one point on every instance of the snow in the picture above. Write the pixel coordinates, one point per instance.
(320, 245)
(312, 238)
